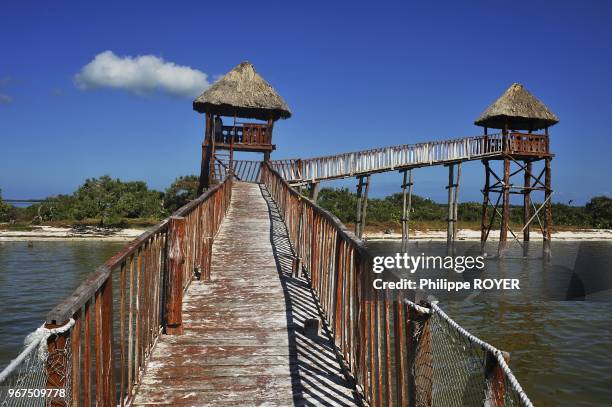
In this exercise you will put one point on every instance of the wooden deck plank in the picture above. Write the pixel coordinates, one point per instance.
(244, 342)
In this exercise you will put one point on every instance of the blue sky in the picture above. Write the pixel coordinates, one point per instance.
(356, 75)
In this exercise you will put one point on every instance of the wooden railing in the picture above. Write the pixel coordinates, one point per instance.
(527, 144)
(137, 292)
(410, 155)
(247, 133)
(389, 158)
(244, 170)
(339, 269)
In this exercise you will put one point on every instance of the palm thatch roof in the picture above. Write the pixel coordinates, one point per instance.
(518, 108)
(244, 93)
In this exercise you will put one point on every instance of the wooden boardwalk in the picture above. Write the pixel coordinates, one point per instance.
(244, 342)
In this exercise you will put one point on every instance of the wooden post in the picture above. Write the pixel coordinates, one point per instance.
(485, 204)
(314, 191)
(423, 363)
(456, 203)
(547, 199)
(527, 200)
(406, 207)
(175, 263)
(364, 208)
(57, 367)
(451, 198)
(503, 235)
(399, 334)
(103, 342)
(206, 155)
(269, 129)
(212, 147)
(358, 217)
(495, 379)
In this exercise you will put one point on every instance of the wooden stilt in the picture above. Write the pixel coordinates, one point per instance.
(485, 204)
(364, 206)
(358, 215)
(503, 235)
(314, 191)
(527, 200)
(451, 199)
(547, 200)
(406, 206)
(456, 203)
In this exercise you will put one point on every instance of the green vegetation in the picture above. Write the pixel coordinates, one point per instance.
(105, 201)
(182, 190)
(4, 208)
(387, 211)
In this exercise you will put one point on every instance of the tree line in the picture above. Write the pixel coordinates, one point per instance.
(597, 213)
(108, 201)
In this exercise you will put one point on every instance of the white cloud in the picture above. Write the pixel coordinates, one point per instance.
(141, 74)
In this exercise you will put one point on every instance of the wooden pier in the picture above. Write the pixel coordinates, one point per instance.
(252, 294)
(244, 336)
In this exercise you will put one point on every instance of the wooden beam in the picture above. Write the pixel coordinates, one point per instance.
(456, 206)
(485, 204)
(57, 367)
(365, 205)
(406, 206)
(451, 202)
(527, 200)
(495, 381)
(547, 200)
(206, 154)
(358, 214)
(103, 339)
(174, 290)
(503, 234)
(314, 191)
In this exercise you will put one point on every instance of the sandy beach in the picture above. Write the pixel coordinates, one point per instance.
(50, 233)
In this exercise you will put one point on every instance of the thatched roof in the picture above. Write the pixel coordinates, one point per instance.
(520, 109)
(242, 92)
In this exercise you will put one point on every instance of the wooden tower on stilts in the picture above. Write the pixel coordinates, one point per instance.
(524, 142)
(241, 94)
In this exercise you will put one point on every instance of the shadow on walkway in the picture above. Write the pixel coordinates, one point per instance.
(316, 375)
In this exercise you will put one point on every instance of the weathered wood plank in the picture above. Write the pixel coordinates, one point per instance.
(243, 335)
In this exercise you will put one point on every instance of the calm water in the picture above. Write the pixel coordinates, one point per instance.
(34, 279)
(560, 349)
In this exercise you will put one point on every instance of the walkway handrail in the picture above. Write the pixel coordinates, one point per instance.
(385, 345)
(338, 264)
(389, 158)
(141, 271)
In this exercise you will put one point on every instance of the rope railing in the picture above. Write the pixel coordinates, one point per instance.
(499, 387)
(99, 338)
